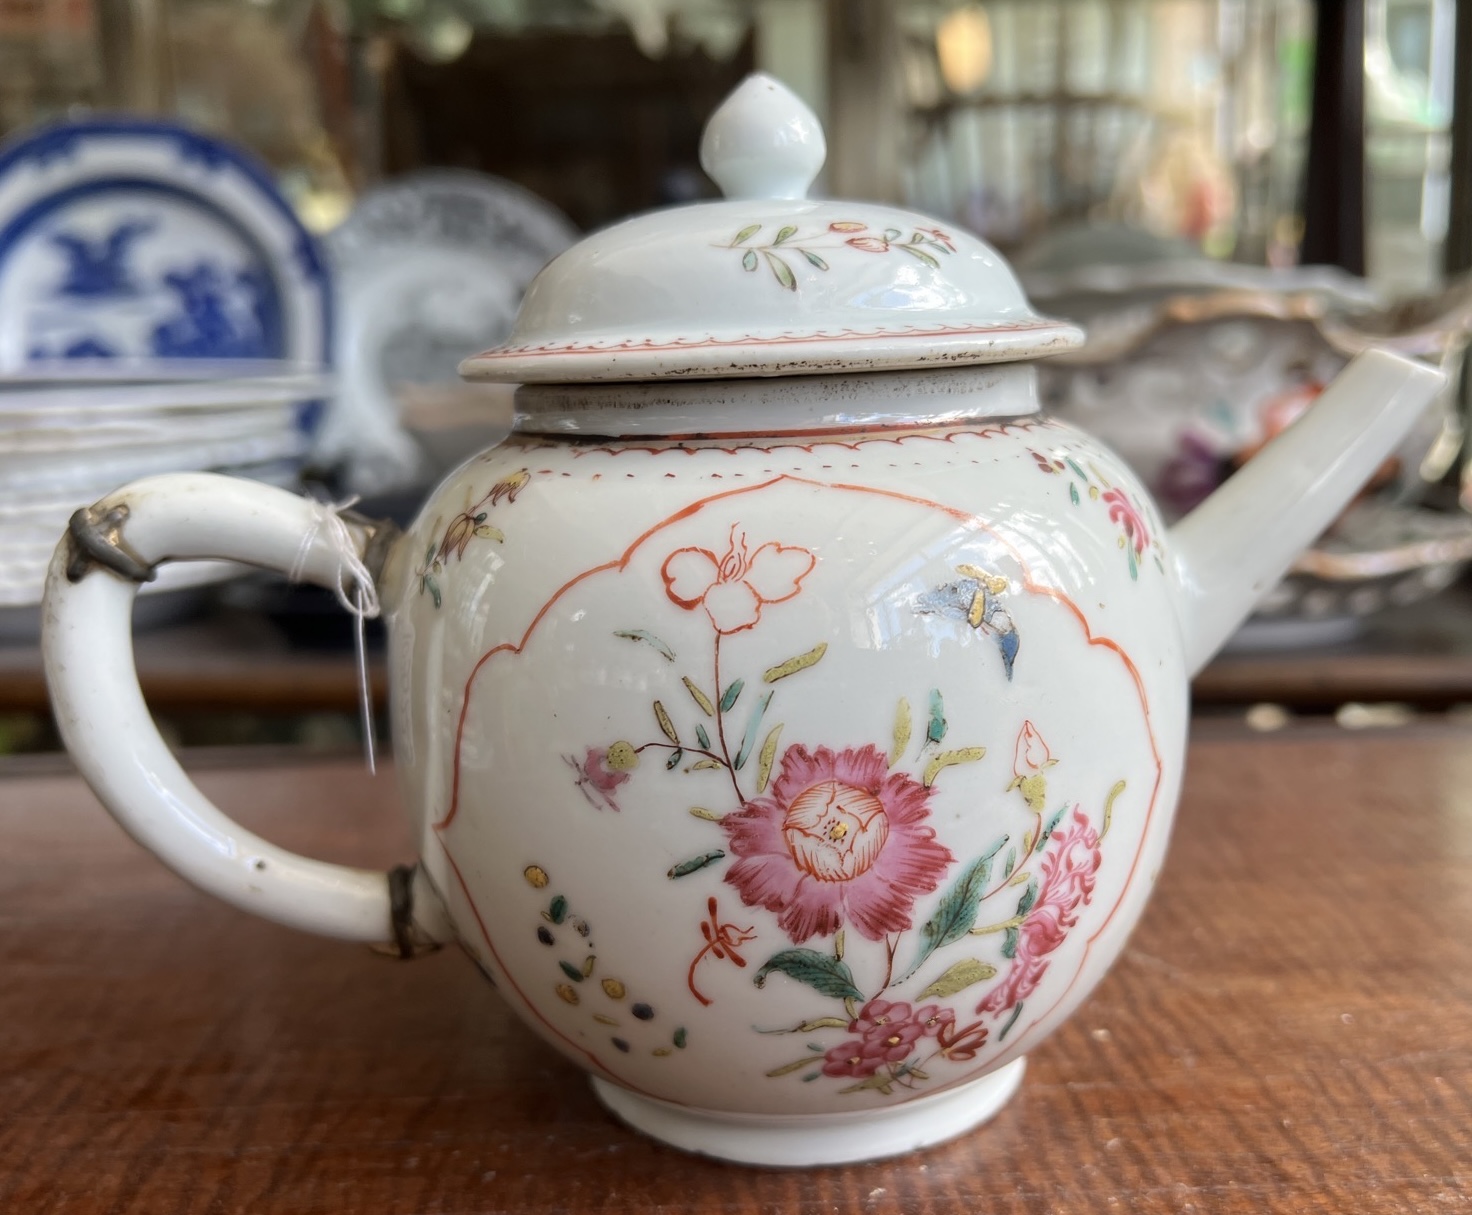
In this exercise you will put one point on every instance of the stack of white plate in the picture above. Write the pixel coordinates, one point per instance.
(63, 446)
(161, 310)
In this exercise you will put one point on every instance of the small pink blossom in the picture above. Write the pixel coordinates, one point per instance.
(734, 587)
(846, 225)
(1066, 884)
(887, 1031)
(938, 235)
(596, 780)
(869, 244)
(839, 839)
(1124, 513)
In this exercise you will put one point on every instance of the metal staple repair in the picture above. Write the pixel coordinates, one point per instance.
(95, 537)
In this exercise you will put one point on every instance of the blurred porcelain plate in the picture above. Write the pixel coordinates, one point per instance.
(1379, 557)
(141, 241)
(33, 403)
(457, 210)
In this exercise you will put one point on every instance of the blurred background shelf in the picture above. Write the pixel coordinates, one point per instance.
(234, 661)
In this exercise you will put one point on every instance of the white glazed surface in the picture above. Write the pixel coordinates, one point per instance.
(511, 692)
(926, 818)
(768, 282)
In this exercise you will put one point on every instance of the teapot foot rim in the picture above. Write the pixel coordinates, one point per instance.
(815, 1140)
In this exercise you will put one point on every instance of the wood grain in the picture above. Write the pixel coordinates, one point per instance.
(1289, 1031)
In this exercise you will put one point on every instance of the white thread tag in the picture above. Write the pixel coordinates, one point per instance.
(329, 528)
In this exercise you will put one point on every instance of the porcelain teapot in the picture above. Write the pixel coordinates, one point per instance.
(792, 717)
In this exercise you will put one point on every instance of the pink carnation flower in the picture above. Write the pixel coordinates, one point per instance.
(839, 839)
(1066, 883)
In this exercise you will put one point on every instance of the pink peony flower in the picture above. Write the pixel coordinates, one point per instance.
(1066, 883)
(1123, 512)
(735, 587)
(839, 839)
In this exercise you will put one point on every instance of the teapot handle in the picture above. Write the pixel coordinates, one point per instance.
(112, 547)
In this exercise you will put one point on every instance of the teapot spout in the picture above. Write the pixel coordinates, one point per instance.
(1233, 548)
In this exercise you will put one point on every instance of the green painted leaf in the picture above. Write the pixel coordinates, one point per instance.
(800, 662)
(959, 977)
(1011, 1021)
(680, 1038)
(1029, 897)
(702, 737)
(1011, 863)
(481, 518)
(1073, 492)
(768, 754)
(788, 1068)
(433, 588)
(923, 256)
(728, 700)
(785, 233)
(666, 726)
(781, 271)
(557, 910)
(572, 972)
(946, 759)
(901, 731)
(648, 639)
(892, 234)
(1048, 830)
(935, 729)
(748, 260)
(820, 971)
(1010, 941)
(699, 697)
(955, 915)
(746, 234)
(748, 740)
(695, 864)
(673, 761)
(814, 259)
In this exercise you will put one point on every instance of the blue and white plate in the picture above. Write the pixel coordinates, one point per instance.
(138, 244)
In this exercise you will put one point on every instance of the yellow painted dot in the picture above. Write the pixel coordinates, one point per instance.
(1094, 492)
(661, 1051)
(567, 992)
(613, 989)
(535, 876)
(605, 1019)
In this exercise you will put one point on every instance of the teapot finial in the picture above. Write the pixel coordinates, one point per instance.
(763, 142)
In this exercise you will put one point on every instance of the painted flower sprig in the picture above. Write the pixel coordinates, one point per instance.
(789, 242)
(470, 524)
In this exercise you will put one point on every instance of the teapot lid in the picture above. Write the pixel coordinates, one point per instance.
(768, 282)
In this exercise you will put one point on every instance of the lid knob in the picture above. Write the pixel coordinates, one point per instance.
(763, 142)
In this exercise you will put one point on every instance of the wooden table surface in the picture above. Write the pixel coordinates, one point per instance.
(1290, 1029)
